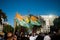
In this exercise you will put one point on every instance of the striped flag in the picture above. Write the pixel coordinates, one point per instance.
(35, 21)
(19, 17)
(21, 21)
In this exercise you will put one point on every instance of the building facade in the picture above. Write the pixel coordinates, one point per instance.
(48, 22)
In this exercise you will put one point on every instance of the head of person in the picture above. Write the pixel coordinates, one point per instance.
(57, 31)
(14, 37)
(9, 34)
(1, 36)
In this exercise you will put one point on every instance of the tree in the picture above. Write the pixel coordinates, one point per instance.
(56, 25)
(2, 15)
(57, 22)
(8, 28)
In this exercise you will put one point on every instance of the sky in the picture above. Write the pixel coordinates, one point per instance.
(25, 7)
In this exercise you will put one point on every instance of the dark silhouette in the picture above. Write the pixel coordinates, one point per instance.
(2, 15)
(56, 36)
(56, 29)
(40, 37)
(57, 22)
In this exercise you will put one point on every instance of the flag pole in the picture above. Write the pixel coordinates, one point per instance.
(15, 23)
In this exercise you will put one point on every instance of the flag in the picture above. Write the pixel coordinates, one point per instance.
(21, 21)
(26, 19)
(33, 18)
(18, 16)
(35, 21)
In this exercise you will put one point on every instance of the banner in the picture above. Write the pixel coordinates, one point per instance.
(27, 21)
(21, 21)
(35, 21)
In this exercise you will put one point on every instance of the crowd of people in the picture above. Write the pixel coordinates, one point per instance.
(33, 36)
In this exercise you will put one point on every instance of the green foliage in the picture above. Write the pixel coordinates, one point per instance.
(8, 28)
(3, 15)
(56, 25)
(57, 22)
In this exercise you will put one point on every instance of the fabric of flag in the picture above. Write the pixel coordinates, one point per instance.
(26, 19)
(35, 21)
(22, 23)
(33, 18)
(20, 20)
(18, 16)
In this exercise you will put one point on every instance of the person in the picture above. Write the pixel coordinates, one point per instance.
(40, 37)
(14, 37)
(32, 37)
(47, 37)
(56, 36)
(23, 37)
(26, 37)
(1, 37)
(9, 36)
(5, 36)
